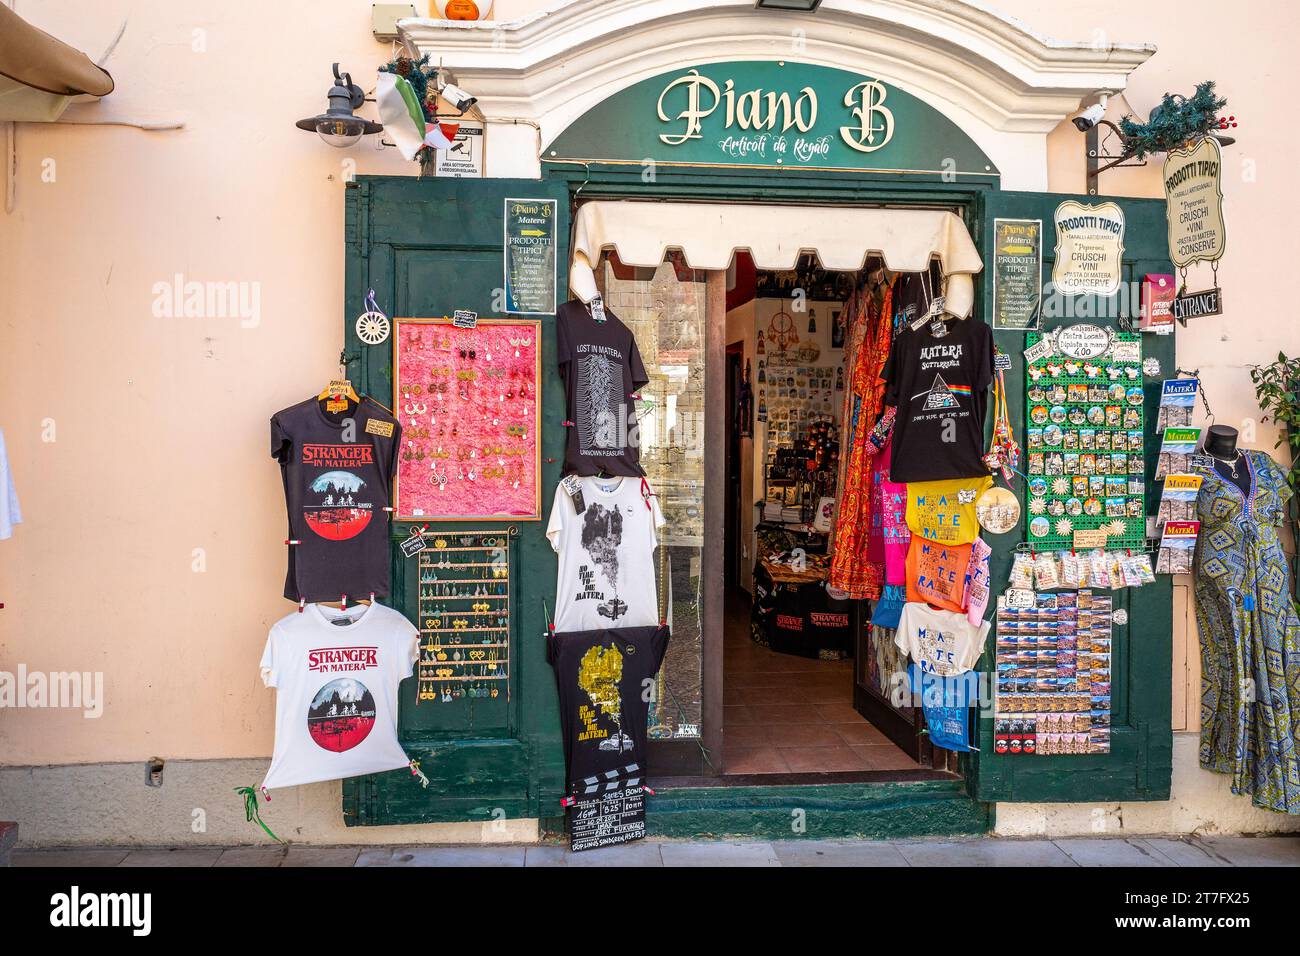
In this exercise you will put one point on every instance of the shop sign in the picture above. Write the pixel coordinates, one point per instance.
(1194, 203)
(1089, 248)
(530, 256)
(1084, 341)
(1017, 273)
(464, 160)
(1194, 305)
(771, 113)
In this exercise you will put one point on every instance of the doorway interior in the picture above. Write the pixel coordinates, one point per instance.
(807, 681)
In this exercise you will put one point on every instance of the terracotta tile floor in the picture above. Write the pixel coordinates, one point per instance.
(784, 714)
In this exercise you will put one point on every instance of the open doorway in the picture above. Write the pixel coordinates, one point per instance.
(808, 683)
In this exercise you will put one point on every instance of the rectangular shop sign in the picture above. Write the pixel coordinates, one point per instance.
(1017, 273)
(1089, 248)
(530, 256)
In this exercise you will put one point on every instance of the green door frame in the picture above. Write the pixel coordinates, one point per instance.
(749, 185)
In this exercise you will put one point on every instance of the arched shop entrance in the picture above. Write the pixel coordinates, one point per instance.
(705, 173)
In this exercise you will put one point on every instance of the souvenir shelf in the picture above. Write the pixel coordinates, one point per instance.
(1085, 452)
(464, 582)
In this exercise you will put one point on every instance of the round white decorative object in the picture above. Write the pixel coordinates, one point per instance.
(998, 510)
(1151, 366)
(373, 327)
(1120, 616)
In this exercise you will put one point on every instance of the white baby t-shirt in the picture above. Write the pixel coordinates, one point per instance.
(607, 570)
(336, 691)
(940, 642)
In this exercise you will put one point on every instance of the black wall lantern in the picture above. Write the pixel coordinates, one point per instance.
(337, 125)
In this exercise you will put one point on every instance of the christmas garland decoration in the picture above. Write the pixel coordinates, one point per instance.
(417, 73)
(1175, 121)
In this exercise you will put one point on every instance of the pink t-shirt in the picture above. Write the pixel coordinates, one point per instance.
(977, 582)
(891, 507)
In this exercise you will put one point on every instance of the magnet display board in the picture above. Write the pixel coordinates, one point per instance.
(467, 400)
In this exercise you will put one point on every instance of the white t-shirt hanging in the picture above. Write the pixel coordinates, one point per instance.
(941, 642)
(10, 513)
(336, 691)
(607, 570)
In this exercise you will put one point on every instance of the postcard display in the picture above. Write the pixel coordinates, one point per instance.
(1085, 453)
(1053, 674)
(1086, 465)
(467, 399)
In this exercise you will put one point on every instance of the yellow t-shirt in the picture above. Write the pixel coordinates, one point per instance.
(944, 511)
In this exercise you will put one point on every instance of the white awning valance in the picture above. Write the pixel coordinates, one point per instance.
(709, 234)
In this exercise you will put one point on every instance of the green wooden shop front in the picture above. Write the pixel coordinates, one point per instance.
(428, 247)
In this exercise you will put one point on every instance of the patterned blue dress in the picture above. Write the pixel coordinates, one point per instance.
(1250, 635)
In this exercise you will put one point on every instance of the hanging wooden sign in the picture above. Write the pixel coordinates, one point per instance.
(1194, 203)
(1194, 305)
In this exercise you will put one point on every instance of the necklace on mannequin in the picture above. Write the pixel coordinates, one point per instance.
(1230, 462)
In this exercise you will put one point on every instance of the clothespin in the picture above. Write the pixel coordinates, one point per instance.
(292, 541)
(345, 602)
(550, 461)
(266, 795)
(389, 508)
(648, 790)
(302, 604)
(372, 597)
(566, 423)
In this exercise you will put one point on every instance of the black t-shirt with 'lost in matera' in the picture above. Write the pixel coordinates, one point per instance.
(601, 368)
(603, 677)
(337, 469)
(939, 384)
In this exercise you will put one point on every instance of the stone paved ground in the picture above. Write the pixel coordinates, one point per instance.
(1170, 851)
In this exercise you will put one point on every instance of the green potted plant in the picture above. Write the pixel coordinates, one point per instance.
(1277, 388)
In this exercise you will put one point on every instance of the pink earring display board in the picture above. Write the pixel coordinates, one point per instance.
(468, 403)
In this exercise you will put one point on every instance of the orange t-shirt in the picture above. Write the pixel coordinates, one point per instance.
(936, 573)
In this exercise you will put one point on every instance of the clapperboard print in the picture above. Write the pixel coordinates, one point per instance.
(609, 781)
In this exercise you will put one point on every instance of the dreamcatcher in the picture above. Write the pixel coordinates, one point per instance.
(781, 331)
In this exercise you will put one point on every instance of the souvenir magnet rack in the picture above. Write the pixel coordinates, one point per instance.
(464, 582)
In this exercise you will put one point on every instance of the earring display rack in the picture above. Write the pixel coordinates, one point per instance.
(464, 586)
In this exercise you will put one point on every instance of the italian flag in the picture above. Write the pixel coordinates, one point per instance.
(403, 118)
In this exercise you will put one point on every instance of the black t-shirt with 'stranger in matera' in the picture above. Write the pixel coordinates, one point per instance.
(603, 678)
(939, 385)
(602, 369)
(337, 469)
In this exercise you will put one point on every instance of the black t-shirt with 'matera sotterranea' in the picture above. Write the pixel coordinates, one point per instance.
(939, 384)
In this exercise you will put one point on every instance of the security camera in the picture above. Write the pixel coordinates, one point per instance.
(1089, 117)
(458, 98)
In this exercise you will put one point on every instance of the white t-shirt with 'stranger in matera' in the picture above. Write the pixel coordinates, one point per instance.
(336, 674)
(607, 572)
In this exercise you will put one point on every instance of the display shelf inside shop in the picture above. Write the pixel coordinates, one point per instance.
(465, 629)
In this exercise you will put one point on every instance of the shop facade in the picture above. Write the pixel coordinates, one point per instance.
(669, 140)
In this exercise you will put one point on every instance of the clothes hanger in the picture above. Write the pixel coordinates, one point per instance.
(340, 387)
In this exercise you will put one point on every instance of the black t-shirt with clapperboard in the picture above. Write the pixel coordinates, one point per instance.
(603, 678)
(939, 384)
(337, 464)
(601, 369)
